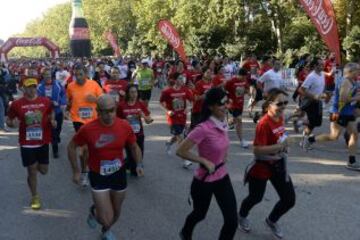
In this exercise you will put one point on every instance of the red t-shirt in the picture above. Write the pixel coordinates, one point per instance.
(195, 76)
(236, 91)
(113, 87)
(105, 144)
(158, 67)
(133, 113)
(218, 80)
(264, 69)
(251, 64)
(201, 87)
(34, 117)
(328, 67)
(268, 132)
(175, 100)
(302, 76)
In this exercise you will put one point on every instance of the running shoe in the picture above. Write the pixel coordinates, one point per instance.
(244, 144)
(353, 166)
(187, 164)
(296, 126)
(244, 224)
(305, 144)
(84, 180)
(91, 220)
(256, 117)
(35, 202)
(275, 228)
(168, 148)
(108, 235)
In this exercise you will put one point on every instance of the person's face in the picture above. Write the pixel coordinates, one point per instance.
(219, 110)
(332, 56)
(47, 76)
(115, 74)
(277, 65)
(107, 112)
(133, 93)
(277, 107)
(101, 67)
(30, 91)
(180, 81)
(207, 74)
(180, 67)
(354, 74)
(80, 76)
(320, 65)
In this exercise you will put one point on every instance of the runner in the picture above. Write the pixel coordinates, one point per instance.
(270, 147)
(174, 101)
(54, 90)
(115, 86)
(145, 78)
(345, 105)
(82, 95)
(133, 110)
(36, 119)
(312, 91)
(106, 138)
(211, 178)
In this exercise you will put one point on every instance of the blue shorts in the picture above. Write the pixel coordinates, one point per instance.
(177, 129)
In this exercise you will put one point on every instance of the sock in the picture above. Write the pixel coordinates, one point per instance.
(352, 159)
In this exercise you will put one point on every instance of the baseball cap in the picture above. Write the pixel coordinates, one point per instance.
(29, 82)
(144, 61)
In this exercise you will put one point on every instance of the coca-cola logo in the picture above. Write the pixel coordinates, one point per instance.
(79, 33)
(28, 41)
(319, 14)
(168, 32)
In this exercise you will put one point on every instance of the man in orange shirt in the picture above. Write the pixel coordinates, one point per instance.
(82, 95)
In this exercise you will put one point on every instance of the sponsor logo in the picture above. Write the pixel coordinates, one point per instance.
(169, 33)
(104, 140)
(319, 14)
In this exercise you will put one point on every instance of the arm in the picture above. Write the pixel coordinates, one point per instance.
(303, 91)
(184, 152)
(136, 153)
(73, 161)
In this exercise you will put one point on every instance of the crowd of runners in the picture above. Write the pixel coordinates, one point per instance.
(107, 101)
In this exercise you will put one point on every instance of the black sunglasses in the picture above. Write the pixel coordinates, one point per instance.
(280, 104)
(103, 111)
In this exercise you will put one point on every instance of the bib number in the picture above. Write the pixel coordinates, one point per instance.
(135, 124)
(48, 92)
(108, 167)
(85, 113)
(34, 133)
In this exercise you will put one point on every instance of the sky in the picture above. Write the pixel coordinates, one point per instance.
(15, 14)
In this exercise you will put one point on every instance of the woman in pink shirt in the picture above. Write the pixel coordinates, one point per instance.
(211, 178)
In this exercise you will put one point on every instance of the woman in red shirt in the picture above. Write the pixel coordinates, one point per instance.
(270, 150)
(133, 110)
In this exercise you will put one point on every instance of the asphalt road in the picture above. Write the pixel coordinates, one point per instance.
(327, 206)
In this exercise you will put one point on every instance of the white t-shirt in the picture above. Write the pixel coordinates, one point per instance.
(314, 83)
(61, 76)
(271, 79)
(228, 71)
(123, 68)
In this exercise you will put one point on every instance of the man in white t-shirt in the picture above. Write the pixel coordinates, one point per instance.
(228, 69)
(272, 78)
(124, 69)
(61, 74)
(312, 92)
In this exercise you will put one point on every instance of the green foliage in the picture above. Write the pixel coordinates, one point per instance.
(227, 27)
(352, 44)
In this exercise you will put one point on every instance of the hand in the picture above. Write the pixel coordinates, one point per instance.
(148, 120)
(140, 171)
(55, 104)
(209, 166)
(122, 93)
(53, 123)
(76, 177)
(170, 113)
(91, 98)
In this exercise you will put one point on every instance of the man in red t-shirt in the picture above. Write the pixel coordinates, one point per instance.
(174, 101)
(36, 119)
(106, 138)
(329, 71)
(115, 87)
(236, 89)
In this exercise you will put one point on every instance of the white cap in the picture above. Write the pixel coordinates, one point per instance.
(144, 61)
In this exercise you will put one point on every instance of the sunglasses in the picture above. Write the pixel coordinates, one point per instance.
(281, 104)
(104, 111)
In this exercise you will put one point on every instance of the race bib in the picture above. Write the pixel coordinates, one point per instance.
(145, 82)
(34, 133)
(178, 104)
(134, 123)
(108, 167)
(159, 70)
(85, 112)
(48, 92)
(240, 91)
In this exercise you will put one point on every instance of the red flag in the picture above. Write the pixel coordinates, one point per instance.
(171, 35)
(322, 15)
(112, 40)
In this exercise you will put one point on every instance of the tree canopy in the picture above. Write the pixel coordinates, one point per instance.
(227, 27)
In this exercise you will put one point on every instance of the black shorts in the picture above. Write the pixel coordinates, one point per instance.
(259, 95)
(177, 129)
(329, 88)
(345, 119)
(77, 126)
(145, 95)
(236, 112)
(30, 156)
(116, 181)
(314, 113)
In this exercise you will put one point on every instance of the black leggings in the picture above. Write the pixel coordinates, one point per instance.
(130, 161)
(201, 193)
(257, 187)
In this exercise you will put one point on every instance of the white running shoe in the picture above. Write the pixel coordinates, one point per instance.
(244, 224)
(168, 148)
(275, 229)
(187, 164)
(84, 179)
(353, 166)
(244, 144)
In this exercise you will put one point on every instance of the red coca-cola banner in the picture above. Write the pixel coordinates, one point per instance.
(322, 15)
(171, 35)
(28, 42)
(113, 42)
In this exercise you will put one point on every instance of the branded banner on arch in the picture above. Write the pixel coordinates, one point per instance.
(171, 35)
(322, 15)
(113, 42)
